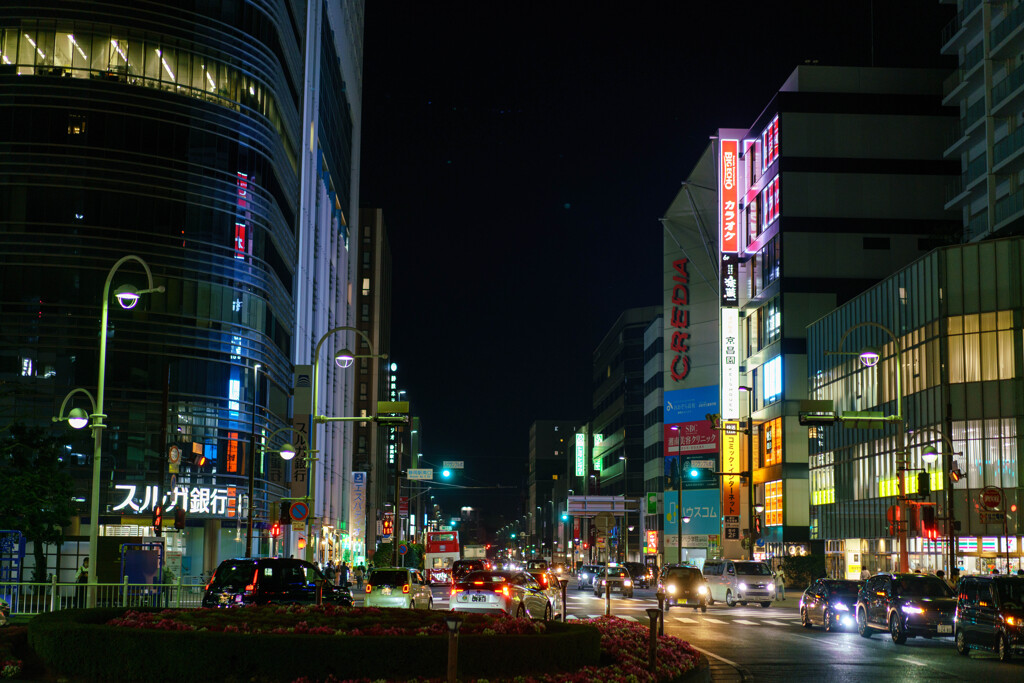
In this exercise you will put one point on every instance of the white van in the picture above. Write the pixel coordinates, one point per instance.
(740, 581)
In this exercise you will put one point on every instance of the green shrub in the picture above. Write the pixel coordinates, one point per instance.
(78, 643)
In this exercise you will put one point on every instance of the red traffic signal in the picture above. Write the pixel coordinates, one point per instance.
(179, 518)
(158, 519)
(275, 529)
(929, 529)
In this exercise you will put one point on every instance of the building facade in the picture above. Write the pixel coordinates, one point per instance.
(176, 137)
(951, 325)
(551, 442)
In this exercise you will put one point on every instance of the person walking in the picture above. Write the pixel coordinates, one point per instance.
(81, 578)
(329, 572)
(780, 584)
(343, 574)
(359, 572)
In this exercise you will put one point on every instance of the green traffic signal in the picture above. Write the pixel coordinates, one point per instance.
(446, 474)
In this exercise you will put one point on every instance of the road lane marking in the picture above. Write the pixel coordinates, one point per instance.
(743, 672)
(629, 618)
(686, 620)
(911, 661)
(714, 621)
(744, 621)
(776, 623)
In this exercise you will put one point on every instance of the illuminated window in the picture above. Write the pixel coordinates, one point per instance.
(769, 201)
(76, 124)
(231, 464)
(770, 144)
(773, 503)
(772, 378)
(772, 440)
(366, 286)
(981, 347)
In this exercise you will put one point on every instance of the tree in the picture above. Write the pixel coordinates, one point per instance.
(35, 489)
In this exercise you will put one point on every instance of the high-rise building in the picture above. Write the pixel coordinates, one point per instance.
(986, 90)
(175, 135)
(551, 442)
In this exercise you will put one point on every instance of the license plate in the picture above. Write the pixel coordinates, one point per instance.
(479, 598)
(223, 599)
(385, 591)
(944, 628)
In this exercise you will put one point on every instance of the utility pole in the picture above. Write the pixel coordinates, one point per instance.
(398, 499)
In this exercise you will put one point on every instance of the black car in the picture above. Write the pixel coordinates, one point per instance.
(585, 576)
(613, 579)
(831, 603)
(639, 573)
(278, 580)
(906, 605)
(682, 584)
(990, 615)
(462, 567)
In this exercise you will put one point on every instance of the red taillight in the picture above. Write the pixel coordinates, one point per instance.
(544, 581)
(478, 583)
(369, 588)
(251, 588)
(209, 583)
(505, 591)
(456, 590)
(405, 588)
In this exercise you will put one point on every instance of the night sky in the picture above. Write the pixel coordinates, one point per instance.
(522, 156)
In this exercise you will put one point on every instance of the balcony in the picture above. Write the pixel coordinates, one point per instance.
(1009, 26)
(975, 170)
(955, 139)
(975, 113)
(1008, 90)
(1007, 147)
(1009, 206)
(953, 86)
(974, 57)
(952, 33)
(977, 226)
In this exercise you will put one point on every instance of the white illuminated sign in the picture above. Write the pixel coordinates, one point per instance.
(581, 455)
(195, 500)
(772, 373)
(730, 364)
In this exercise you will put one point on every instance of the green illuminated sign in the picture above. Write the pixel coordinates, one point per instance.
(581, 455)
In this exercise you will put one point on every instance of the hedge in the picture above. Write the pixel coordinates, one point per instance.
(78, 644)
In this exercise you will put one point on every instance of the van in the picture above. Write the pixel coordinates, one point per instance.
(990, 615)
(740, 581)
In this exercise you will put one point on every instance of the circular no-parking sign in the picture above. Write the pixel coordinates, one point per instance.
(402, 549)
(299, 511)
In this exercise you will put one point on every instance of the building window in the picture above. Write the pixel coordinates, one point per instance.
(772, 378)
(366, 286)
(981, 347)
(769, 200)
(772, 453)
(770, 144)
(773, 503)
(771, 261)
(365, 313)
(76, 124)
(770, 323)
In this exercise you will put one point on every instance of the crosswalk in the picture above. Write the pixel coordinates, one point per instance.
(696, 621)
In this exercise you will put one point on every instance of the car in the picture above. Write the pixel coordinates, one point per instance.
(512, 593)
(990, 615)
(267, 580)
(463, 567)
(639, 572)
(536, 564)
(550, 583)
(682, 584)
(559, 568)
(585, 576)
(397, 587)
(613, 578)
(733, 581)
(906, 605)
(831, 603)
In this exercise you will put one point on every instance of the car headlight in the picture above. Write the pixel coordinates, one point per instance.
(840, 607)
(742, 586)
(1013, 621)
(671, 588)
(771, 586)
(627, 582)
(702, 589)
(913, 610)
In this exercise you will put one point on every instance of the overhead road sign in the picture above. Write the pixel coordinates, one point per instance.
(454, 464)
(817, 413)
(393, 407)
(590, 506)
(420, 474)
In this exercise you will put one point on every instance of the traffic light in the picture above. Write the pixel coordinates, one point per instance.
(756, 531)
(179, 518)
(928, 527)
(275, 530)
(158, 519)
(286, 512)
(446, 473)
(924, 485)
(388, 526)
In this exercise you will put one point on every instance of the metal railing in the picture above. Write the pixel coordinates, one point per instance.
(28, 598)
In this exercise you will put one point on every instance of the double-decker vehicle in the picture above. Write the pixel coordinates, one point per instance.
(443, 550)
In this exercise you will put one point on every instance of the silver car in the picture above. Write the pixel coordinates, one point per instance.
(550, 583)
(502, 592)
(397, 587)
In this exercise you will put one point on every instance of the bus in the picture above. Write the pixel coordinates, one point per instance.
(441, 553)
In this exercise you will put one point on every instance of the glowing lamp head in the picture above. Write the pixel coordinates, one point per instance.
(287, 451)
(694, 472)
(446, 474)
(686, 519)
(78, 418)
(344, 358)
(870, 356)
(127, 296)
(930, 456)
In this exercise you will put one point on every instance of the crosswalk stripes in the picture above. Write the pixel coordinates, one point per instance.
(745, 622)
(715, 621)
(780, 623)
(686, 620)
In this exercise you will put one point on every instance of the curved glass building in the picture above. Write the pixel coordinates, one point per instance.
(173, 134)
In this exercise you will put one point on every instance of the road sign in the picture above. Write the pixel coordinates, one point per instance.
(421, 474)
(652, 502)
(604, 522)
(402, 549)
(454, 464)
(988, 517)
(731, 520)
(991, 497)
(403, 507)
(399, 407)
(299, 511)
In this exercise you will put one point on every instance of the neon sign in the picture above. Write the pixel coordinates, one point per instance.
(728, 189)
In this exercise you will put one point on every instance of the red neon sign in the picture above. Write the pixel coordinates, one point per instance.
(728, 190)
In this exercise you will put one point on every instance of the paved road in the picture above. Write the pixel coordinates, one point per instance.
(769, 644)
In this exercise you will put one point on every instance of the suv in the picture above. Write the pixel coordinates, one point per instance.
(585, 576)
(613, 579)
(640, 573)
(462, 567)
(906, 605)
(740, 581)
(682, 584)
(990, 615)
(279, 580)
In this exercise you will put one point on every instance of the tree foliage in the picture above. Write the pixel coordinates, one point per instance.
(35, 489)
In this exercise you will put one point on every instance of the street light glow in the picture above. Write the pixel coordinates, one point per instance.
(127, 296)
(287, 451)
(344, 359)
(930, 456)
(78, 418)
(869, 357)
(446, 473)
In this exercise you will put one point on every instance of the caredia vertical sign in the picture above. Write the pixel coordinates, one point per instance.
(357, 511)
(302, 409)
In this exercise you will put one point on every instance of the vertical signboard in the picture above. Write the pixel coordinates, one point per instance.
(731, 462)
(357, 512)
(730, 364)
(728, 192)
(302, 410)
(581, 455)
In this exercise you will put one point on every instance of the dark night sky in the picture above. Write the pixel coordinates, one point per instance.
(522, 156)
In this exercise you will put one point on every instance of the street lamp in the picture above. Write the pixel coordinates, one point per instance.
(625, 495)
(749, 391)
(127, 297)
(930, 456)
(343, 359)
(679, 499)
(252, 461)
(287, 452)
(870, 357)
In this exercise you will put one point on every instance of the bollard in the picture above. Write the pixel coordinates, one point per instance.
(661, 615)
(54, 596)
(563, 583)
(654, 616)
(453, 622)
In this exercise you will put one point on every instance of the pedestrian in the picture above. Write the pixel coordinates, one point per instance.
(780, 584)
(329, 572)
(359, 577)
(865, 574)
(81, 578)
(343, 574)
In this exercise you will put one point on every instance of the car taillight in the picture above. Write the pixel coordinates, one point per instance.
(405, 588)
(505, 591)
(456, 590)
(251, 588)
(544, 581)
(209, 583)
(369, 588)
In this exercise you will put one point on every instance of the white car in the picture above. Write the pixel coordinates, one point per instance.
(397, 587)
(550, 583)
(516, 594)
